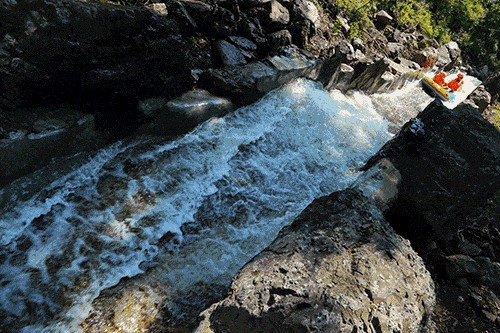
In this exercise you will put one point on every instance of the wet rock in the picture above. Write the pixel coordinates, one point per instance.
(382, 19)
(47, 135)
(481, 97)
(243, 43)
(380, 183)
(338, 267)
(230, 54)
(191, 109)
(46, 125)
(114, 312)
(151, 106)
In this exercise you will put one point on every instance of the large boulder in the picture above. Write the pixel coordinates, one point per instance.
(338, 268)
(449, 163)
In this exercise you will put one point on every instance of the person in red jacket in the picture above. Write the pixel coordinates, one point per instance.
(439, 79)
(456, 83)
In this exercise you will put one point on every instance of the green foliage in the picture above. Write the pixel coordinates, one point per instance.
(474, 24)
(495, 119)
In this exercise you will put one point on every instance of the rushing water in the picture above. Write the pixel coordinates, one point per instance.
(233, 181)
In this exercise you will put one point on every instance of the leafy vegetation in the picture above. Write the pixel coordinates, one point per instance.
(474, 24)
(495, 118)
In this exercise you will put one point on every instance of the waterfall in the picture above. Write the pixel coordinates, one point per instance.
(190, 210)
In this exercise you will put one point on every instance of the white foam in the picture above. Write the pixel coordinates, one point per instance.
(240, 178)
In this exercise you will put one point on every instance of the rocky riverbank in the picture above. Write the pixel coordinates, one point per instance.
(77, 75)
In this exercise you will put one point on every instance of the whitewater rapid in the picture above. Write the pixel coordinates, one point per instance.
(194, 209)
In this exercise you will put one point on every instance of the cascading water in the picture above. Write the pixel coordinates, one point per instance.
(194, 209)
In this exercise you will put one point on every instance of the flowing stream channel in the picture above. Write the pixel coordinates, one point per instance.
(194, 209)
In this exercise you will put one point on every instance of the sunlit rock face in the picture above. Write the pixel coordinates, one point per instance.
(339, 267)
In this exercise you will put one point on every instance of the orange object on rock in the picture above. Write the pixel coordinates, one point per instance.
(439, 79)
(456, 83)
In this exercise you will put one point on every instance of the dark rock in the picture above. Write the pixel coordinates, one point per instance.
(230, 54)
(246, 84)
(254, 2)
(338, 267)
(73, 57)
(199, 7)
(383, 75)
(488, 273)
(309, 11)
(394, 49)
(279, 39)
(407, 63)
(459, 266)
(382, 19)
(481, 97)
(448, 168)
(492, 85)
(243, 43)
(341, 78)
(468, 248)
(345, 51)
(361, 63)
(192, 108)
